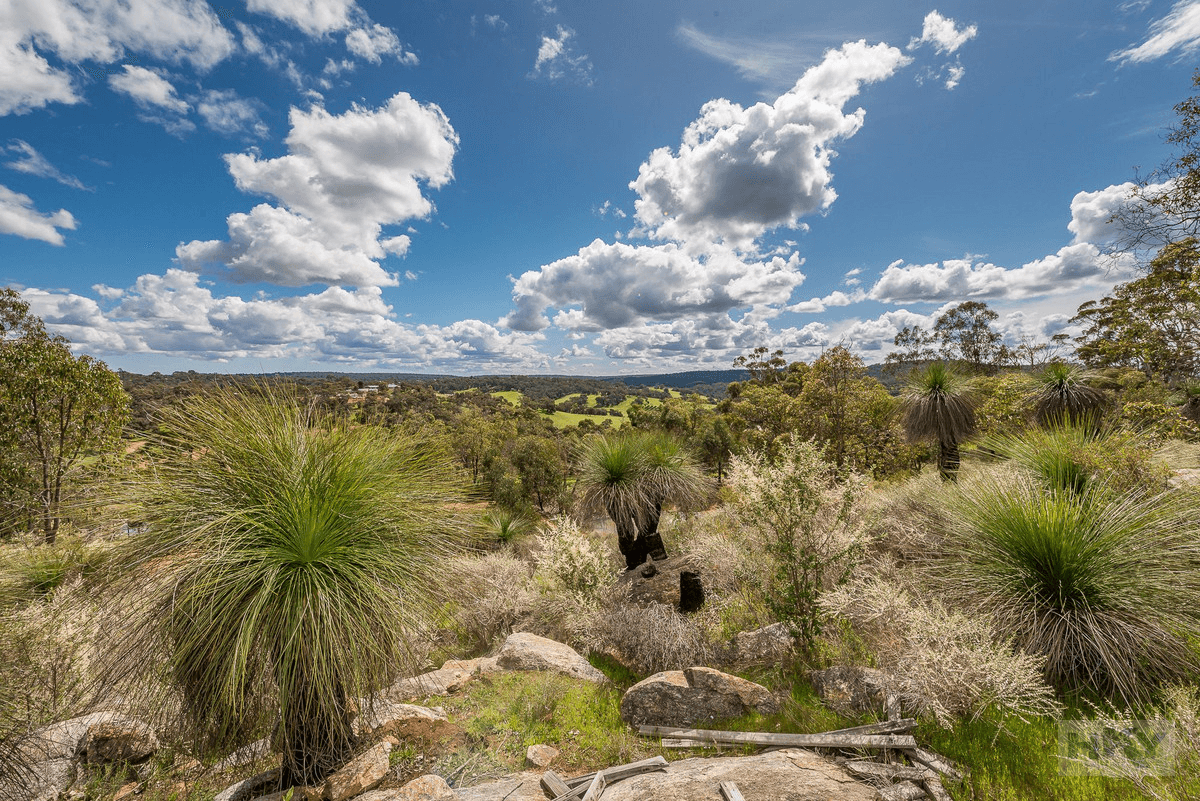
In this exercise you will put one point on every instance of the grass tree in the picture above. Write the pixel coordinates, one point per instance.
(1062, 397)
(1104, 585)
(631, 475)
(939, 404)
(285, 561)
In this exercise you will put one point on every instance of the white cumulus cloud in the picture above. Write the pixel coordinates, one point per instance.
(100, 31)
(176, 315)
(943, 33)
(148, 88)
(1178, 31)
(740, 172)
(617, 285)
(344, 177)
(226, 112)
(19, 217)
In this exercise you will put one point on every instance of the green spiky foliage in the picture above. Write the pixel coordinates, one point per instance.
(286, 560)
(631, 475)
(1076, 458)
(939, 404)
(1062, 397)
(1106, 586)
(506, 526)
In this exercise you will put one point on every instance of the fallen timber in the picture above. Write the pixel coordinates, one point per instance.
(824, 740)
(590, 785)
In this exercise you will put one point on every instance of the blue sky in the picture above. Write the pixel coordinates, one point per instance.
(545, 186)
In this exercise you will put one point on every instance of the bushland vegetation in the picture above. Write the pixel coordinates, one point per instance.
(1013, 536)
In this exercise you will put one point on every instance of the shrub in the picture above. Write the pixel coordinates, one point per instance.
(943, 663)
(1106, 587)
(505, 526)
(571, 562)
(800, 510)
(489, 595)
(651, 638)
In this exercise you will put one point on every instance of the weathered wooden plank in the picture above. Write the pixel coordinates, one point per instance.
(933, 786)
(899, 726)
(795, 740)
(618, 772)
(730, 792)
(935, 761)
(905, 791)
(553, 784)
(595, 789)
(864, 767)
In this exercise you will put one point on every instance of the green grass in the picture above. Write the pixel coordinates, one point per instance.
(511, 395)
(1015, 764)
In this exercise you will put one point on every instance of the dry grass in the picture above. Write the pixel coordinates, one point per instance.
(944, 664)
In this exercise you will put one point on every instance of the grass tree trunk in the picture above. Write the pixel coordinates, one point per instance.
(632, 546)
(316, 737)
(653, 540)
(948, 460)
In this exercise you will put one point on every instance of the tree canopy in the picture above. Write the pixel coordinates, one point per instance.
(1152, 323)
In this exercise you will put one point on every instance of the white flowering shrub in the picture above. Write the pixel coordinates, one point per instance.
(569, 561)
(798, 513)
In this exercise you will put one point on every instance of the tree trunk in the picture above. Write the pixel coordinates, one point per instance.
(316, 739)
(948, 460)
(654, 544)
(632, 547)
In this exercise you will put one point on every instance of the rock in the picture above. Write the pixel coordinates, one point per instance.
(691, 696)
(762, 646)
(540, 755)
(301, 793)
(450, 677)
(118, 740)
(515, 787)
(789, 774)
(429, 787)
(62, 740)
(438, 682)
(364, 772)
(244, 755)
(127, 791)
(47, 780)
(851, 689)
(525, 651)
(405, 721)
(250, 788)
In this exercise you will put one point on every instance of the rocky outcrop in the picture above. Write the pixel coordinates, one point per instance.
(253, 787)
(55, 752)
(692, 696)
(117, 740)
(851, 689)
(515, 787)
(525, 651)
(429, 787)
(380, 718)
(784, 775)
(449, 678)
(768, 645)
(364, 772)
